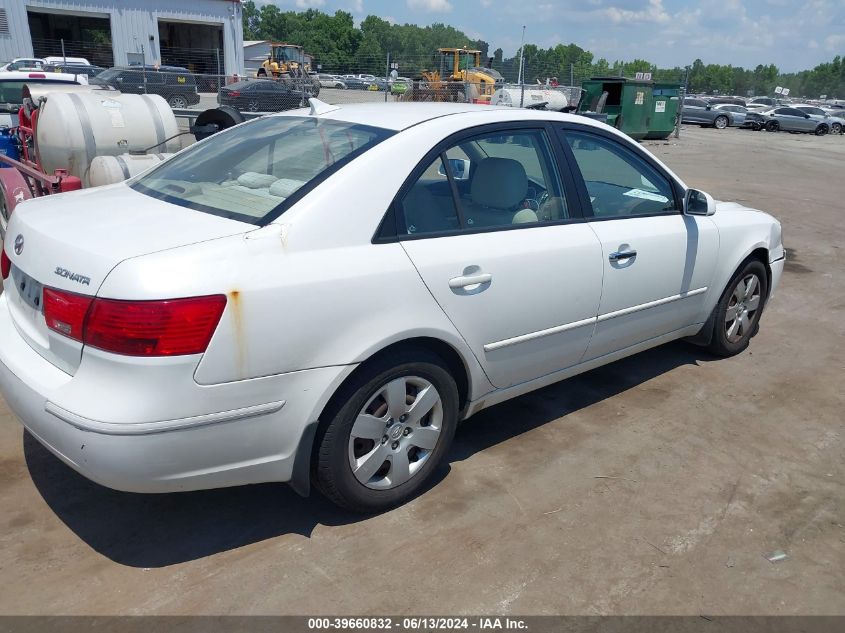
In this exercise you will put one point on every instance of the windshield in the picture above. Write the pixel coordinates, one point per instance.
(109, 74)
(255, 171)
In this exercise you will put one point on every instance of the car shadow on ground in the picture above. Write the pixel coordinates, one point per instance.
(141, 530)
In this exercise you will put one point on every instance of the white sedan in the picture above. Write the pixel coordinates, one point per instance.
(319, 297)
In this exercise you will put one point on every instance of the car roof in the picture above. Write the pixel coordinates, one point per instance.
(39, 75)
(400, 116)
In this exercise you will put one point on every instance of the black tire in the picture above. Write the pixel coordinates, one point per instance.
(252, 106)
(821, 130)
(772, 126)
(721, 122)
(720, 343)
(836, 128)
(333, 475)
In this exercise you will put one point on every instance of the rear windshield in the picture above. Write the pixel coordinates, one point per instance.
(255, 171)
(11, 91)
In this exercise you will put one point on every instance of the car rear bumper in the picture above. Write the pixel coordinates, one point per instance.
(240, 445)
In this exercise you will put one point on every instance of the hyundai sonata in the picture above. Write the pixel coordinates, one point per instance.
(319, 297)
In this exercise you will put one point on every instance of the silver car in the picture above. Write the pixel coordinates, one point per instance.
(331, 81)
(737, 113)
(700, 112)
(835, 123)
(790, 119)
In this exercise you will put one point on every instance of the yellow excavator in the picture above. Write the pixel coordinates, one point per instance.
(459, 76)
(288, 61)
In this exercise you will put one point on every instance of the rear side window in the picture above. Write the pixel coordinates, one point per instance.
(254, 171)
(494, 180)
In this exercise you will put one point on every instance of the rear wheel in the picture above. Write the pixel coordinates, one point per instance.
(720, 122)
(177, 102)
(836, 128)
(739, 309)
(390, 428)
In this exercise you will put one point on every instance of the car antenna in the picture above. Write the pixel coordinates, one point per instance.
(320, 107)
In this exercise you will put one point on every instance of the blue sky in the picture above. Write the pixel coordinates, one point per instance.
(793, 34)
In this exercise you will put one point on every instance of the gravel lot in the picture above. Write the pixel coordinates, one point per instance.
(655, 485)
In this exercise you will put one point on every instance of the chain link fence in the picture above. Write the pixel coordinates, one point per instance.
(194, 78)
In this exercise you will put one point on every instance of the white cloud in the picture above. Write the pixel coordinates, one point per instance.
(834, 43)
(431, 6)
(486, 3)
(357, 6)
(309, 4)
(654, 12)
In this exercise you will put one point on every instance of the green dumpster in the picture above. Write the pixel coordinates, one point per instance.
(639, 108)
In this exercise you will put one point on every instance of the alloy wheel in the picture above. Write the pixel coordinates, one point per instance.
(743, 305)
(395, 432)
(721, 123)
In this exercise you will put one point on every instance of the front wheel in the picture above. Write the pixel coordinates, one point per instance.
(772, 126)
(387, 432)
(721, 122)
(821, 130)
(739, 309)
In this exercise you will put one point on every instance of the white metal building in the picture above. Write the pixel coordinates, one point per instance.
(202, 35)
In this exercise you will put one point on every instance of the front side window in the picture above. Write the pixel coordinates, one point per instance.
(491, 180)
(248, 173)
(619, 183)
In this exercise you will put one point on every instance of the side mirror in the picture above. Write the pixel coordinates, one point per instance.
(708, 107)
(806, 116)
(459, 166)
(698, 203)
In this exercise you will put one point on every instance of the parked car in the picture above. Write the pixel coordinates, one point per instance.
(75, 69)
(737, 113)
(788, 119)
(701, 112)
(356, 83)
(766, 101)
(23, 63)
(177, 85)
(331, 81)
(260, 95)
(727, 100)
(59, 60)
(835, 124)
(11, 90)
(320, 296)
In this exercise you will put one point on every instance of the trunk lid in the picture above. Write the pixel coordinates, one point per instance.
(72, 241)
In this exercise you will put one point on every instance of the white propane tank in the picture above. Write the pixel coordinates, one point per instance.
(555, 100)
(107, 170)
(73, 128)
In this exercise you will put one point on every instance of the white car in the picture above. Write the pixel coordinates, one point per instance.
(67, 61)
(331, 81)
(11, 93)
(24, 63)
(319, 297)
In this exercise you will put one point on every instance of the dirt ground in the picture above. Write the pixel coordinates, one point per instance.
(656, 485)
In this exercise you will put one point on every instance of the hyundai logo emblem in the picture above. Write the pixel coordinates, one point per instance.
(18, 244)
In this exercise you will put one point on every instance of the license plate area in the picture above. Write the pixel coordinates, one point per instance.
(30, 292)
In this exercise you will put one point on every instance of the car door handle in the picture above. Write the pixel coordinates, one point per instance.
(620, 255)
(470, 280)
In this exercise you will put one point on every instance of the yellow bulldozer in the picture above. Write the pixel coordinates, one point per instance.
(289, 61)
(459, 76)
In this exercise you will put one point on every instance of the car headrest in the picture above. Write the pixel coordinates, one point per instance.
(499, 183)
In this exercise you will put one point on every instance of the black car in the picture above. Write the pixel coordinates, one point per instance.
(177, 85)
(261, 95)
(75, 69)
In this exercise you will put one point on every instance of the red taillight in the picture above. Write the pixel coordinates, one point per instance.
(154, 328)
(171, 327)
(37, 76)
(5, 262)
(65, 312)
(234, 93)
